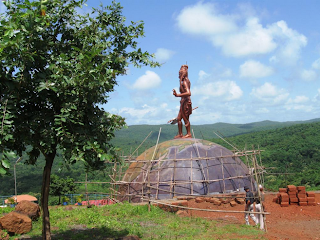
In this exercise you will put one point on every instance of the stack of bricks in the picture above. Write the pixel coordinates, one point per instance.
(311, 199)
(292, 193)
(284, 197)
(295, 195)
(302, 196)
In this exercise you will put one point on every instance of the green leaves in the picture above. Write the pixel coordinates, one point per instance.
(57, 68)
(6, 157)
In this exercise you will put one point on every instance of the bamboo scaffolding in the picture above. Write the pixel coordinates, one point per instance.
(184, 182)
(152, 188)
(242, 154)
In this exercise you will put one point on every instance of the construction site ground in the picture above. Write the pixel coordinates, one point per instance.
(293, 222)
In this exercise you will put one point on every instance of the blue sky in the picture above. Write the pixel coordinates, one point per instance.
(248, 61)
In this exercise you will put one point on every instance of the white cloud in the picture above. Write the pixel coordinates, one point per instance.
(203, 75)
(148, 80)
(262, 110)
(316, 64)
(147, 114)
(255, 69)
(226, 90)
(290, 42)
(163, 55)
(226, 73)
(270, 94)
(299, 99)
(237, 39)
(252, 39)
(202, 19)
(317, 97)
(300, 107)
(308, 75)
(138, 113)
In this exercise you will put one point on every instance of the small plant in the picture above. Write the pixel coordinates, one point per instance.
(79, 198)
(65, 200)
(11, 200)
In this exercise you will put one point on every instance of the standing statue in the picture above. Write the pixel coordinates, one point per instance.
(185, 103)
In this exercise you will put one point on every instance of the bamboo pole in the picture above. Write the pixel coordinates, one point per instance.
(191, 175)
(149, 171)
(131, 154)
(157, 192)
(237, 154)
(222, 171)
(258, 190)
(208, 185)
(181, 182)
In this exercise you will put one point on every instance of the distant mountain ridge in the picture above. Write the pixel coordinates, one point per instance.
(128, 139)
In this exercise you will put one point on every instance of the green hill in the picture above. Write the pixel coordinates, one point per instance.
(130, 138)
(294, 150)
(289, 146)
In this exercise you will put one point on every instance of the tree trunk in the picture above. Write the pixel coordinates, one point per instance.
(46, 233)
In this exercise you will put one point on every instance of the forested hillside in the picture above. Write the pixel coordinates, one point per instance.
(294, 150)
(29, 178)
(128, 139)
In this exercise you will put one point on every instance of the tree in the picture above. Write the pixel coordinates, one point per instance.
(56, 70)
(60, 186)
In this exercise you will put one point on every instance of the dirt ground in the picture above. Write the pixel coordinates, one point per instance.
(293, 222)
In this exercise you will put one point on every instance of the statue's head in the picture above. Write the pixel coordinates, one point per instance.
(183, 71)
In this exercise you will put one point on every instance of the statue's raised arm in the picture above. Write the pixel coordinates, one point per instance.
(185, 103)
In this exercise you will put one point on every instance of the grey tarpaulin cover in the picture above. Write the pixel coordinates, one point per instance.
(186, 167)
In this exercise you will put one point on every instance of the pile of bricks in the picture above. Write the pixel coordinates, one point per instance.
(218, 201)
(293, 195)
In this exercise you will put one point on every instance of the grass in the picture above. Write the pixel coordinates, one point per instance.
(116, 221)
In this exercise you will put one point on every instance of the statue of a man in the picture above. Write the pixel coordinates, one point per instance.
(185, 103)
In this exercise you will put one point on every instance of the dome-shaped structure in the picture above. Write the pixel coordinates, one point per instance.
(185, 167)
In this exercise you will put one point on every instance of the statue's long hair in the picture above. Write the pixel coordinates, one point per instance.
(186, 78)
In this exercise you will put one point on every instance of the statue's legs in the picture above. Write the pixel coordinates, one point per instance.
(179, 128)
(188, 127)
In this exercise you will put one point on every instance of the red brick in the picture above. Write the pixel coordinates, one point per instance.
(239, 200)
(311, 194)
(284, 204)
(294, 195)
(312, 204)
(294, 200)
(212, 200)
(225, 201)
(301, 195)
(274, 199)
(199, 199)
(282, 190)
(303, 199)
(292, 188)
(303, 203)
(233, 203)
(301, 188)
(284, 197)
(311, 199)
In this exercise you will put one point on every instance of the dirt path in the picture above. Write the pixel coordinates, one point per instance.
(293, 223)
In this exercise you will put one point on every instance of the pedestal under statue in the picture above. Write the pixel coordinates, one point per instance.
(185, 103)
